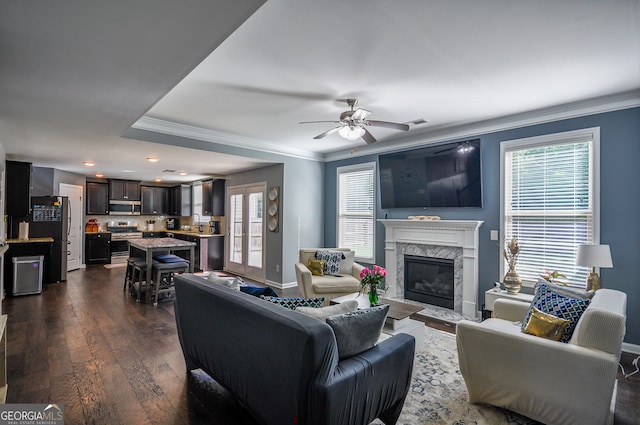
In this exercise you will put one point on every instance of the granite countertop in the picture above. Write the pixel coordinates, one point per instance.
(31, 240)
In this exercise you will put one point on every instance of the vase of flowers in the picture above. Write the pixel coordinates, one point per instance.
(512, 281)
(371, 280)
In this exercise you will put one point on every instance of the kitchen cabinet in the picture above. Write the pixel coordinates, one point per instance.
(180, 201)
(18, 183)
(124, 190)
(213, 197)
(154, 200)
(209, 251)
(97, 198)
(97, 248)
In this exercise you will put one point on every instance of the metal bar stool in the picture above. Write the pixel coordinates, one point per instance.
(163, 272)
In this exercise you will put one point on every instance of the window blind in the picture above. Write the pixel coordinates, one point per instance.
(356, 202)
(549, 206)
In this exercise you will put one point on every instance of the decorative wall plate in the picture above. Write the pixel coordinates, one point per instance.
(273, 209)
(273, 224)
(273, 193)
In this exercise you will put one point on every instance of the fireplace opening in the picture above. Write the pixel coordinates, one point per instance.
(429, 280)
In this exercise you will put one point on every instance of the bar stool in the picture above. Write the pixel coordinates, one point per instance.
(128, 274)
(139, 276)
(163, 282)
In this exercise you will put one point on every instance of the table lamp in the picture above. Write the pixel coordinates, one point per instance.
(594, 256)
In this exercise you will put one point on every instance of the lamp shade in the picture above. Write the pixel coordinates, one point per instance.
(594, 256)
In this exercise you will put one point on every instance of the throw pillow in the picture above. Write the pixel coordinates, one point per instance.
(359, 330)
(545, 325)
(229, 283)
(316, 267)
(347, 262)
(323, 312)
(331, 261)
(293, 303)
(548, 300)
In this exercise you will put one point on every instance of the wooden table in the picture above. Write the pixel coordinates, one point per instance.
(398, 320)
(154, 245)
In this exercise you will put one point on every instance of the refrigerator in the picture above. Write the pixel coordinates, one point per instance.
(50, 218)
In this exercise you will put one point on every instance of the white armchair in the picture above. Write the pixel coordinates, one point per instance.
(325, 286)
(549, 381)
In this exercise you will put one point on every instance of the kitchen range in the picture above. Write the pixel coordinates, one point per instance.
(121, 232)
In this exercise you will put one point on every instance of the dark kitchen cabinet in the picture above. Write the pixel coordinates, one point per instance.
(180, 200)
(18, 184)
(124, 190)
(209, 251)
(155, 199)
(97, 248)
(213, 197)
(97, 198)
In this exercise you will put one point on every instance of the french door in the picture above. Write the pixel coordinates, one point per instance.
(246, 229)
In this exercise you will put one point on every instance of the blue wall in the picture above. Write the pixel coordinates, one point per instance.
(619, 202)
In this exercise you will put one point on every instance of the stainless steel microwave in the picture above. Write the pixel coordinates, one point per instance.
(124, 207)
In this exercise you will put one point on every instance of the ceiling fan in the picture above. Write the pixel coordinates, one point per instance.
(353, 124)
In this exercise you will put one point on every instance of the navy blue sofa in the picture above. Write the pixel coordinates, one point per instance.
(283, 366)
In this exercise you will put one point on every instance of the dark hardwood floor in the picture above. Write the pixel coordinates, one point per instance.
(84, 343)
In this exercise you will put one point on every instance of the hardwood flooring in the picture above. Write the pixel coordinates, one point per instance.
(86, 344)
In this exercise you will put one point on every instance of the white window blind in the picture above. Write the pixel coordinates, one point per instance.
(549, 202)
(356, 210)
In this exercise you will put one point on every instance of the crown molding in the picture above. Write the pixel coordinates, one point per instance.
(218, 137)
(615, 102)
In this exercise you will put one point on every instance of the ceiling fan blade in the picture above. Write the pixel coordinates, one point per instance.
(360, 114)
(368, 137)
(328, 132)
(394, 125)
(313, 122)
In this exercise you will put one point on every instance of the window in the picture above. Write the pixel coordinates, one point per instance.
(356, 210)
(550, 201)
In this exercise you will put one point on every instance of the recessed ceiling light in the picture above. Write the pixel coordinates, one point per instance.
(157, 180)
(89, 164)
(128, 171)
(99, 175)
(152, 159)
(183, 173)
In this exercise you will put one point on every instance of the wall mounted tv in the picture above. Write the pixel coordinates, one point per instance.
(446, 175)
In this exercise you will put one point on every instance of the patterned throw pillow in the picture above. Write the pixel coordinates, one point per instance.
(549, 301)
(331, 261)
(293, 303)
(316, 267)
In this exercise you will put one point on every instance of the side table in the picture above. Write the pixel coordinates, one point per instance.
(491, 296)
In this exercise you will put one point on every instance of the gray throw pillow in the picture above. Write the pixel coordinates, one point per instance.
(359, 330)
(229, 283)
(347, 262)
(324, 312)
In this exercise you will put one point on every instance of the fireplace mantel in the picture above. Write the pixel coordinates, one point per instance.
(444, 233)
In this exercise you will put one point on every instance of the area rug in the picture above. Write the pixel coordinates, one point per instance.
(438, 394)
(115, 265)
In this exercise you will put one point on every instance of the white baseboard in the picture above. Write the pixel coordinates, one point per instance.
(278, 285)
(631, 348)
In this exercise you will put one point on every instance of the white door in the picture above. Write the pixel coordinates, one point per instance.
(74, 238)
(245, 233)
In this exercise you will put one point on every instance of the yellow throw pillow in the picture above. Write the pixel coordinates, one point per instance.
(545, 325)
(316, 267)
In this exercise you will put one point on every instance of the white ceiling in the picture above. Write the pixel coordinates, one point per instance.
(75, 75)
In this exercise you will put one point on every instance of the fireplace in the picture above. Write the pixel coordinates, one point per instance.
(429, 280)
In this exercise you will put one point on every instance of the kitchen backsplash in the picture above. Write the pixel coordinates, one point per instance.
(142, 221)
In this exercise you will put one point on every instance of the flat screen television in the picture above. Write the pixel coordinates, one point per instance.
(446, 175)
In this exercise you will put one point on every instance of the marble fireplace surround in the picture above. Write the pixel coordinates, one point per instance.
(452, 239)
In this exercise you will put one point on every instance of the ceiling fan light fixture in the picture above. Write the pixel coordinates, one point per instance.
(351, 132)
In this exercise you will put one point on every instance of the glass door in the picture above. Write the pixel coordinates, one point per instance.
(245, 255)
